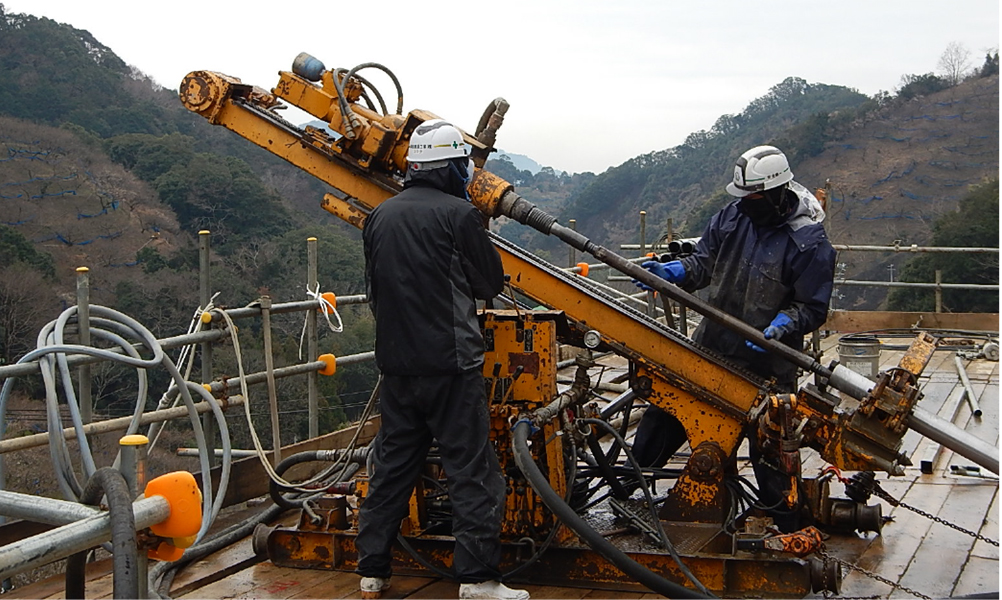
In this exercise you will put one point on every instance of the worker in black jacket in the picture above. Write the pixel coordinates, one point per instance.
(428, 259)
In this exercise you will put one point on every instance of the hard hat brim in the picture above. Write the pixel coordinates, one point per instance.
(736, 191)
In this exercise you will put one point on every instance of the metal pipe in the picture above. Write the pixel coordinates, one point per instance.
(83, 332)
(864, 248)
(58, 543)
(119, 424)
(205, 348)
(954, 438)
(972, 399)
(31, 368)
(216, 388)
(217, 452)
(912, 248)
(269, 372)
(312, 350)
(282, 307)
(40, 509)
(906, 284)
(949, 412)
(134, 452)
(523, 211)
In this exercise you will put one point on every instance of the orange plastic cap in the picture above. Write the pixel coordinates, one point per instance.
(165, 552)
(185, 499)
(584, 269)
(329, 297)
(330, 364)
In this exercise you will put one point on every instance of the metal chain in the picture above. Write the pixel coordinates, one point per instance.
(884, 495)
(828, 556)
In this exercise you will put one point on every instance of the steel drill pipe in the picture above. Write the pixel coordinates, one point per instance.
(523, 211)
(840, 378)
(954, 438)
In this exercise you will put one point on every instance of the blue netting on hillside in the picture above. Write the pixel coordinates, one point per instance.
(53, 178)
(21, 222)
(12, 197)
(49, 195)
(104, 211)
(866, 201)
(61, 238)
(128, 264)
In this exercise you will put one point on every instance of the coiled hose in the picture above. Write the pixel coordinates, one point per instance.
(539, 483)
(109, 482)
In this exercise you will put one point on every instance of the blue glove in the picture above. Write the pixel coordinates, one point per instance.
(672, 272)
(780, 326)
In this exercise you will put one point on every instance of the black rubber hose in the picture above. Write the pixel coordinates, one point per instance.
(539, 483)
(618, 491)
(109, 482)
(287, 463)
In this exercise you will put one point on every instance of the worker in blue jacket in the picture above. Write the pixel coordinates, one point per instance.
(765, 259)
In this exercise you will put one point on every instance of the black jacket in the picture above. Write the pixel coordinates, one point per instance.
(427, 259)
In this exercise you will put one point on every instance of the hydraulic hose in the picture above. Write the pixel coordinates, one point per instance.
(109, 482)
(275, 490)
(539, 483)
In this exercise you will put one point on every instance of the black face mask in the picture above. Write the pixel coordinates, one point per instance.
(451, 178)
(770, 210)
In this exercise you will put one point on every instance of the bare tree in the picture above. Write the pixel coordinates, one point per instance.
(955, 62)
(26, 304)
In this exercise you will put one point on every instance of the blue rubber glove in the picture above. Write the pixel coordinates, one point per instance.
(780, 326)
(672, 272)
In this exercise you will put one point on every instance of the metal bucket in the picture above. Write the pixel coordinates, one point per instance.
(860, 353)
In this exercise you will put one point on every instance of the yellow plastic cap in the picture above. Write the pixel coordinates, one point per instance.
(206, 318)
(134, 440)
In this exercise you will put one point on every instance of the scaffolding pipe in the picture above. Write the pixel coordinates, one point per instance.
(216, 314)
(972, 400)
(907, 284)
(119, 424)
(31, 367)
(40, 509)
(913, 248)
(74, 537)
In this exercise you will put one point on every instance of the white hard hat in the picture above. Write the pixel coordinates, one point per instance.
(759, 169)
(436, 141)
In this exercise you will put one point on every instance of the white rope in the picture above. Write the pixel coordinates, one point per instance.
(324, 305)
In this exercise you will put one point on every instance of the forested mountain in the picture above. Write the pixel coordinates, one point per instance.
(100, 167)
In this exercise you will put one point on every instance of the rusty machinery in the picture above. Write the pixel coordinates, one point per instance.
(854, 423)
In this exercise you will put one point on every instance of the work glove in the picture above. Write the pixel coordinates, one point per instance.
(672, 272)
(780, 326)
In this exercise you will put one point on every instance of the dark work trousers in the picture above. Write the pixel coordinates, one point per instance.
(452, 410)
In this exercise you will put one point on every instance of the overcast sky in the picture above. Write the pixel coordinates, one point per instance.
(591, 83)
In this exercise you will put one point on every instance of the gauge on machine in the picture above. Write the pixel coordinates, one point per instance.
(592, 339)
